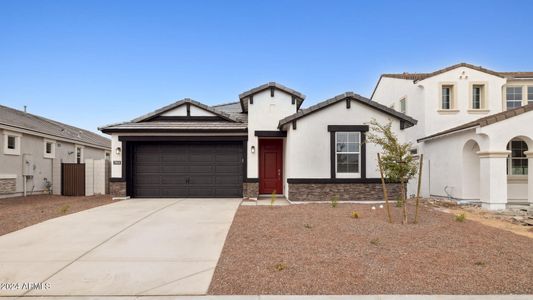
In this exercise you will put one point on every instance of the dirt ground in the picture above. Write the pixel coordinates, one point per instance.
(317, 249)
(19, 212)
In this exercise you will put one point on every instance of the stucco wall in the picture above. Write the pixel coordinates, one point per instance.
(42, 167)
(265, 114)
(308, 147)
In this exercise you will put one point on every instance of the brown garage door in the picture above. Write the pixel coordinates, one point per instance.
(188, 170)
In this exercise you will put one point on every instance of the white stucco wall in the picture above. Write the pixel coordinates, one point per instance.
(116, 169)
(308, 147)
(181, 111)
(265, 114)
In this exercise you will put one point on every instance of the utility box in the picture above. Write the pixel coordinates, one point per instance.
(27, 165)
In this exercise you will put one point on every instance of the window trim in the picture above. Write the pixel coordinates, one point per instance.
(18, 138)
(404, 101)
(453, 103)
(52, 154)
(483, 96)
(505, 95)
(529, 101)
(362, 129)
(510, 159)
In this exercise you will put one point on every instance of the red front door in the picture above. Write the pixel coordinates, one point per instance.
(270, 166)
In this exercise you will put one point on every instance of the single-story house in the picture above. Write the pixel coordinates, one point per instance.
(30, 145)
(262, 144)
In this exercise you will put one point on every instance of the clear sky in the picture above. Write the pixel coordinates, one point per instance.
(90, 63)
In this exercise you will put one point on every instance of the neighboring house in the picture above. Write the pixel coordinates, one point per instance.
(261, 144)
(31, 144)
(474, 129)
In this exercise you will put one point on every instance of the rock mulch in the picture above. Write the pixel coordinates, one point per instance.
(19, 212)
(317, 249)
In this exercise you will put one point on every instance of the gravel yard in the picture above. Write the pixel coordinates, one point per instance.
(19, 212)
(317, 249)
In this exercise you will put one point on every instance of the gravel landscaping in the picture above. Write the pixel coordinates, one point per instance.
(317, 249)
(19, 212)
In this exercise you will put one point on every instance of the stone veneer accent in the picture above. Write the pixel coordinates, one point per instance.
(117, 188)
(250, 189)
(345, 191)
(8, 185)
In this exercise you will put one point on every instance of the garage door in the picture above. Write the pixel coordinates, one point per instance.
(188, 170)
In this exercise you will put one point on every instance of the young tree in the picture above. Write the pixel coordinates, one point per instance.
(398, 164)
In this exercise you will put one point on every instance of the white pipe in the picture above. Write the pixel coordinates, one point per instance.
(24, 184)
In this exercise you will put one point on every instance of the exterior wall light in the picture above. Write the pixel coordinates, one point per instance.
(118, 150)
(253, 149)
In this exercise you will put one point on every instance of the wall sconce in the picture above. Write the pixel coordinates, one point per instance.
(118, 150)
(253, 149)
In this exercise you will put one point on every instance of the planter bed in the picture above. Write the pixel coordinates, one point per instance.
(317, 249)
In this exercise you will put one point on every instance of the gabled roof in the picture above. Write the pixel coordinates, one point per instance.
(233, 120)
(164, 109)
(352, 96)
(485, 121)
(244, 104)
(421, 76)
(22, 120)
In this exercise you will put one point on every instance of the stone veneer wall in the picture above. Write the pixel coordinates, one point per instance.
(8, 185)
(117, 188)
(345, 191)
(250, 189)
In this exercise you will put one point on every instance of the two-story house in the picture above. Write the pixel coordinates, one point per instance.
(475, 129)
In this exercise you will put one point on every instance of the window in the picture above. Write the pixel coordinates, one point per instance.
(348, 150)
(49, 149)
(403, 105)
(529, 94)
(517, 162)
(11, 143)
(447, 97)
(513, 96)
(477, 96)
(79, 154)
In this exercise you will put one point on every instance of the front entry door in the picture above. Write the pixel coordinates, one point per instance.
(270, 166)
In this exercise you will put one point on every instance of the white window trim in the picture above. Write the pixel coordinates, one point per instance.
(348, 175)
(510, 159)
(524, 97)
(18, 138)
(82, 154)
(527, 93)
(404, 99)
(53, 153)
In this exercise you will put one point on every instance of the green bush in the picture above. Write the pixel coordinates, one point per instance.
(355, 215)
(334, 201)
(460, 217)
(280, 267)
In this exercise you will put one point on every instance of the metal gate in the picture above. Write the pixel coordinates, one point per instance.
(72, 179)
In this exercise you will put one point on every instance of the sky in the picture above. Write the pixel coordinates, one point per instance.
(92, 63)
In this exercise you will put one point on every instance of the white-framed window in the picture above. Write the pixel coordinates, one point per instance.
(12, 143)
(517, 162)
(79, 154)
(347, 154)
(446, 96)
(529, 94)
(478, 94)
(107, 155)
(403, 105)
(49, 148)
(513, 96)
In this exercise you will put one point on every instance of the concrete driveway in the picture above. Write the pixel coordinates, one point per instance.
(133, 247)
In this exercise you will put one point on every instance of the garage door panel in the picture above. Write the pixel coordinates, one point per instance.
(188, 170)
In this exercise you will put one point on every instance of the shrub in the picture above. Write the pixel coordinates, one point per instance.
(273, 198)
(355, 215)
(308, 226)
(280, 267)
(399, 202)
(479, 263)
(374, 242)
(460, 217)
(334, 201)
(64, 209)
